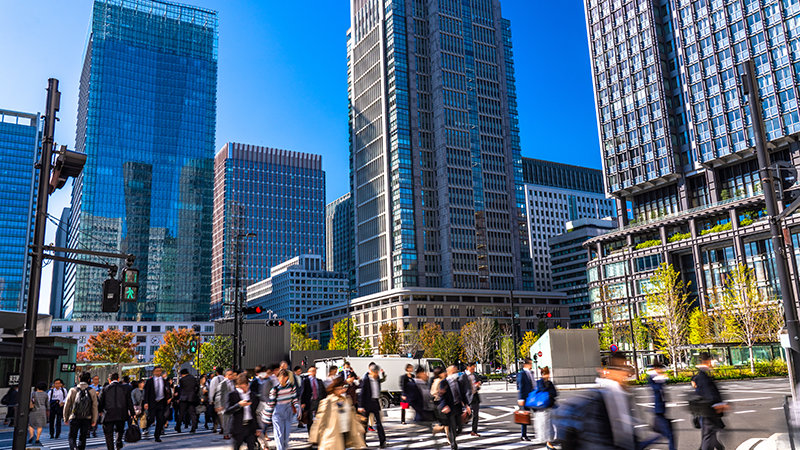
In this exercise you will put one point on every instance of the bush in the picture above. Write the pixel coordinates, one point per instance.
(774, 368)
(717, 228)
(679, 237)
(646, 244)
(745, 222)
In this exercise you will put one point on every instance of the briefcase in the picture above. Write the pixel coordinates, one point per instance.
(522, 417)
(133, 433)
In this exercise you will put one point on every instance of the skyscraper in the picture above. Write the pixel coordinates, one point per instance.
(339, 239)
(677, 140)
(147, 120)
(57, 305)
(279, 196)
(436, 172)
(19, 144)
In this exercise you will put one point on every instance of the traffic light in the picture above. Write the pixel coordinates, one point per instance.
(111, 295)
(549, 315)
(194, 344)
(275, 323)
(68, 164)
(252, 310)
(130, 284)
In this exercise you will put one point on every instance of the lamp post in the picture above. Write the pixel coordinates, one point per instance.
(350, 293)
(514, 330)
(237, 303)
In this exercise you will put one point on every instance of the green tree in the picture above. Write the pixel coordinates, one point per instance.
(339, 338)
(429, 335)
(528, 340)
(506, 352)
(112, 346)
(300, 339)
(216, 352)
(668, 307)
(391, 341)
(700, 327)
(448, 348)
(174, 352)
(641, 332)
(606, 336)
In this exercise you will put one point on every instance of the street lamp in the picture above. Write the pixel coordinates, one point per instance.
(514, 330)
(237, 303)
(350, 293)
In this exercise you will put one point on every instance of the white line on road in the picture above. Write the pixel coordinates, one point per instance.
(745, 412)
(776, 408)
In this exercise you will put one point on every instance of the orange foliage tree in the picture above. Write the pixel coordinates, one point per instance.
(109, 346)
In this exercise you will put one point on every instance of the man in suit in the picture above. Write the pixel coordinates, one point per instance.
(525, 385)
(418, 395)
(346, 371)
(213, 387)
(242, 407)
(369, 401)
(471, 385)
(157, 396)
(117, 409)
(453, 404)
(313, 393)
(221, 401)
(711, 421)
(188, 399)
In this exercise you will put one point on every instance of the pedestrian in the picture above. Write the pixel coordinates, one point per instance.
(352, 387)
(137, 398)
(333, 372)
(347, 370)
(405, 378)
(525, 384)
(300, 380)
(438, 375)
(418, 395)
(337, 426)
(188, 399)
(242, 406)
(174, 412)
(80, 412)
(282, 408)
(657, 379)
(369, 402)
(712, 406)
(453, 404)
(260, 386)
(98, 388)
(203, 407)
(471, 385)
(116, 405)
(544, 428)
(157, 397)
(56, 397)
(10, 401)
(126, 383)
(221, 401)
(213, 389)
(313, 393)
(38, 413)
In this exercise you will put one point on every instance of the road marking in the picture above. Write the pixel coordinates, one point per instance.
(677, 420)
(776, 408)
(745, 412)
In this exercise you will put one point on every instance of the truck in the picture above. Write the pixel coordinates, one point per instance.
(393, 367)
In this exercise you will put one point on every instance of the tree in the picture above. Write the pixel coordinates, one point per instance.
(448, 348)
(700, 327)
(112, 346)
(478, 338)
(391, 340)
(339, 338)
(300, 340)
(641, 332)
(507, 351)
(174, 352)
(216, 352)
(429, 335)
(750, 317)
(528, 340)
(606, 336)
(411, 343)
(668, 307)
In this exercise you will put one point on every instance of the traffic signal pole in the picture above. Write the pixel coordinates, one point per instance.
(31, 313)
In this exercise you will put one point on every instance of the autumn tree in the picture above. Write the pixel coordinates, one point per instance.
(216, 352)
(174, 352)
(339, 338)
(429, 335)
(528, 340)
(300, 339)
(410, 340)
(112, 346)
(391, 339)
(478, 338)
(448, 348)
(668, 307)
(750, 317)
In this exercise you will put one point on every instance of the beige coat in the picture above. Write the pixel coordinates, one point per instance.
(72, 396)
(325, 430)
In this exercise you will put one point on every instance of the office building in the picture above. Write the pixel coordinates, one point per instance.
(556, 193)
(339, 239)
(146, 121)
(298, 287)
(276, 196)
(19, 143)
(677, 140)
(568, 261)
(57, 305)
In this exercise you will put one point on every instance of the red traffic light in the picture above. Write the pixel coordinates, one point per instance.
(252, 310)
(549, 315)
(275, 323)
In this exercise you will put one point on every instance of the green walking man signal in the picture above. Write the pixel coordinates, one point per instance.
(130, 284)
(194, 344)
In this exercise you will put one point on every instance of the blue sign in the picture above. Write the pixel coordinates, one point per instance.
(614, 348)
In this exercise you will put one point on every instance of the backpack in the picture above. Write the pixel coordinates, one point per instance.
(83, 405)
(539, 398)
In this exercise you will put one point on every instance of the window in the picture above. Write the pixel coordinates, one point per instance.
(97, 328)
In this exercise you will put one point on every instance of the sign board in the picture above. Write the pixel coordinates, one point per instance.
(68, 367)
(614, 348)
(13, 379)
(785, 342)
(540, 354)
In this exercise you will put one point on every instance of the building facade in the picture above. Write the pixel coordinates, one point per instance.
(339, 239)
(677, 140)
(556, 193)
(57, 305)
(19, 143)
(568, 261)
(147, 120)
(436, 171)
(148, 335)
(298, 287)
(277, 195)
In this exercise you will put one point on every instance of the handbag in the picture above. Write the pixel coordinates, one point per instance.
(133, 433)
(539, 398)
(522, 417)
(403, 405)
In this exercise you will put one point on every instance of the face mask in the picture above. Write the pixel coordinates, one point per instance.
(262, 375)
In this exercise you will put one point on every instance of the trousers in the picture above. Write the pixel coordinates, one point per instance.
(282, 424)
(78, 432)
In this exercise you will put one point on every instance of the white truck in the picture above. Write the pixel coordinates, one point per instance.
(393, 367)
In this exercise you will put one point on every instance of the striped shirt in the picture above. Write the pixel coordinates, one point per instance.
(280, 395)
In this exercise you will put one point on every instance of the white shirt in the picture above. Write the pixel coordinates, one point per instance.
(376, 390)
(158, 385)
(58, 395)
(248, 415)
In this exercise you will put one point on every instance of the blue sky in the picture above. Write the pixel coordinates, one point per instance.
(282, 78)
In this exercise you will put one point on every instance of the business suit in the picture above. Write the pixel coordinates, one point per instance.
(470, 388)
(188, 399)
(710, 423)
(117, 408)
(308, 401)
(243, 431)
(525, 386)
(453, 397)
(221, 401)
(418, 397)
(369, 400)
(157, 408)
(404, 380)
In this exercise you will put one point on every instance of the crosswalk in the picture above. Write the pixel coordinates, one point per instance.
(414, 437)
(100, 440)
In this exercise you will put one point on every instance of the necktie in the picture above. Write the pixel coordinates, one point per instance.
(313, 389)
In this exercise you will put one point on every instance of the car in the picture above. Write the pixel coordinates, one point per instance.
(512, 378)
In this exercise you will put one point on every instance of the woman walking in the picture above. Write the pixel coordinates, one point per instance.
(38, 414)
(282, 407)
(336, 426)
(544, 428)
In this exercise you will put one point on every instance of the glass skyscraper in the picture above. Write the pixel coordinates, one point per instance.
(339, 239)
(436, 171)
(279, 195)
(19, 144)
(147, 120)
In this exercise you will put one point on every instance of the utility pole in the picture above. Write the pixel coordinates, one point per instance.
(514, 331)
(29, 334)
(237, 304)
(750, 87)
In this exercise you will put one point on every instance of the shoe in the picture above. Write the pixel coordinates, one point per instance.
(402, 423)
(525, 438)
(550, 446)
(193, 430)
(227, 436)
(205, 425)
(177, 430)
(37, 443)
(158, 439)
(370, 429)
(119, 445)
(30, 441)
(383, 445)
(475, 434)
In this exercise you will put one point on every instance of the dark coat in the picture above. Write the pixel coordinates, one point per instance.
(236, 411)
(404, 380)
(308, 392)
(365, 399)
(189, 389)
(548, 386)
(706, 389)
(116, 403)
(150, 391)
(448, 398)
(524, 385)
(417, 400)
(659, 401)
